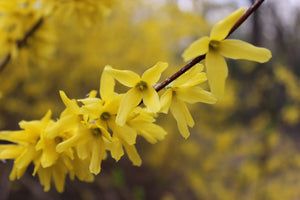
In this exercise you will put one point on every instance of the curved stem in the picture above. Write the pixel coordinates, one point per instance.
(196, 60)
(4, 62)
(22, 42)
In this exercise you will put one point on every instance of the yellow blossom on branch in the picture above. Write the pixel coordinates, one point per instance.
(34, 145)
(185, 89)
(216, 46)
(140, 90)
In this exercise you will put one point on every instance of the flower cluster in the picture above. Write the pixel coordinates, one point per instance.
(186, 89)
(89, 128)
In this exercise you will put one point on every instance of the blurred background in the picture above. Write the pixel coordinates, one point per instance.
(243, 148)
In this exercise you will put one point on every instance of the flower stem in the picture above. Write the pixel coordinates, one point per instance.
(21, 42)
(196, 60)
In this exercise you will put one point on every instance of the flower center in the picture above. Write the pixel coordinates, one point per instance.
(105, 116)
(96, 132)
(214, 44)
(141, 85)
(58, 139)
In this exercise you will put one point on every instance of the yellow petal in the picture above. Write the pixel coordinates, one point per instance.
(107, 84)
(81, 137)
(82, 151)
(197, 48)
(90, 100)
(133, 154)
(216, 69)
(97, 156)
(125, 133)
(116, 149)
(130, 100)
(125, 77)
(10, 151)
(92, 94)
(105, 133)
(49, 157)
(166, 100)
(25, 158)
(237, 49)
(37, 165)
(20, 137)
(59, 176)
(113, 105)
(81, 169)
(64, 124)
(47, 117)
(70, 104)
(92, 110)
(192, 77)
(195, 94)
(221, 29)
(151, 99)
(151, 132)
(141, 114)
(153, 74)
(182, 116)
(45, 178)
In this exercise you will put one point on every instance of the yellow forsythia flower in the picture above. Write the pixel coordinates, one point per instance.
(185, 89)
(140, 90)
(33, 144)
(23, 150)
(142, 121)
(89, 138)
(216, 46)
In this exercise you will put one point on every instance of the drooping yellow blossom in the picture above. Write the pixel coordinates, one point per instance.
(89, 138)
(216, 46)
(23, 150)
(143, 122)
(139, 122)
(33, 145)
(103, 113)
(140, 90)
(58, 171)
(185, 89)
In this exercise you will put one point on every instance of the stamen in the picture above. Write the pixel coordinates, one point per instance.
(105, 116)
(58, 139)
(141, 85)
(214, 44)
(96, 132)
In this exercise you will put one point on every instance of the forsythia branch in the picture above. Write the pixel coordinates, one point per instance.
(4, 62)
(245, 16)
(23, 41)
(196, 60)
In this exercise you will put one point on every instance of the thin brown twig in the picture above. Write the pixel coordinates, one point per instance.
(4, 62)
(21, 43)
(196, 60)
